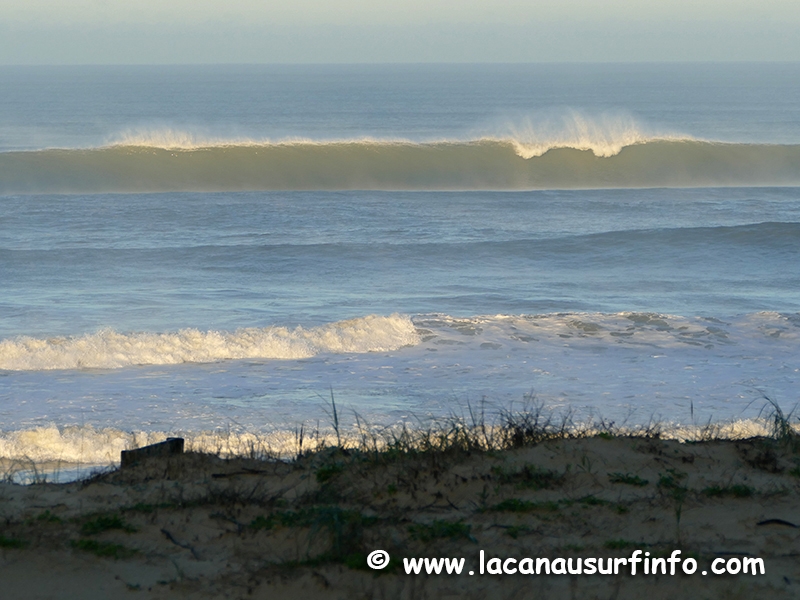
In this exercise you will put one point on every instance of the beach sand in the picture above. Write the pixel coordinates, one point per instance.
(198, 526)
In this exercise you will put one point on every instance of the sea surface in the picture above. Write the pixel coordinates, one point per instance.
(215, 252)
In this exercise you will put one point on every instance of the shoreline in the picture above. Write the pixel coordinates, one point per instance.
(65, 453)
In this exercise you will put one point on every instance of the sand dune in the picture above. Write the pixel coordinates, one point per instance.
(196, 526)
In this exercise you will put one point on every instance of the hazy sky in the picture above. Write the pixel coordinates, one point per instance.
(270, 31)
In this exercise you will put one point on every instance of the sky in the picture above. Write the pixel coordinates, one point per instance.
(375, 31)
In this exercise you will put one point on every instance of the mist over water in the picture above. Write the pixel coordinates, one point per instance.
(202, 250)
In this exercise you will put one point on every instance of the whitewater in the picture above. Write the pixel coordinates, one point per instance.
(215, 252)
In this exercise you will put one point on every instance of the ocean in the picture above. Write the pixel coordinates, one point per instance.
(214, 252)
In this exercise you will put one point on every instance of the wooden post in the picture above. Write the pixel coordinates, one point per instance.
(169, 447)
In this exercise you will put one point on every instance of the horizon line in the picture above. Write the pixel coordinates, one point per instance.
(405, 63)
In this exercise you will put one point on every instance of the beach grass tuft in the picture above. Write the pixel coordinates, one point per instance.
(627, 479)
(439, 529)
(14, 543)
(530, 477)
(733, 491)
(104, 549)
(106, 523)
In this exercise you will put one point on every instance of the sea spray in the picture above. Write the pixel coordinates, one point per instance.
(603, 135)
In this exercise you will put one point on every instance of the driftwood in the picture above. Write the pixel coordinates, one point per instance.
(169, 447)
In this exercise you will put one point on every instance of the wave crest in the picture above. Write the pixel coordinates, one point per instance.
(604, 136)
(109, 349)
(169, 138)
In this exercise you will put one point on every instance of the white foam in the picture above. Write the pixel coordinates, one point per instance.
(72, 445)
(109, 349)
(168, 138)
(626, 367)
(657, 331)
(100, 447)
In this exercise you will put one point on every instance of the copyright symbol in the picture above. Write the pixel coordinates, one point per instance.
(378, 559)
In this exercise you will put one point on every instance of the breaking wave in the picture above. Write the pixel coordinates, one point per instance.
(109, 349)
(603, 135)
(576, 160)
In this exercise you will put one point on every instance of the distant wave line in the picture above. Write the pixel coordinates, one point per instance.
(397, 165)
(600, 146)
(777, 235)
(524, 148)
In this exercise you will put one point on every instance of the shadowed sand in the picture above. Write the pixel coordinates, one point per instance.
(197, 526)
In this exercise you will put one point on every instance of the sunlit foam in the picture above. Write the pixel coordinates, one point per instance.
(109, 349)
(87, 445)
(168, 138)
(604, 135)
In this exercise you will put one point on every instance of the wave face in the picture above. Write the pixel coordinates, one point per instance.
(484, 164)
(109, 349)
